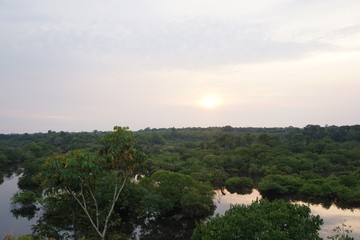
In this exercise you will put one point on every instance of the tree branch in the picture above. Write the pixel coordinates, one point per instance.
(115, 198)
(84, 207)
(96, 206)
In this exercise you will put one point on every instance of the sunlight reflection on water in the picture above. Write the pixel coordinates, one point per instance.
(332, 217)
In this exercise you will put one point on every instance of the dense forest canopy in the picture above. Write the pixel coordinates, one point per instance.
(319, 164)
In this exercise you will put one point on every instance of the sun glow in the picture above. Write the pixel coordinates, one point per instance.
(209, 102)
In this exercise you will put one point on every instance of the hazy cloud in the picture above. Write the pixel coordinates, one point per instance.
(145, 63)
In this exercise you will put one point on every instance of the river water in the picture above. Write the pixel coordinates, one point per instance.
(8, 223)
(332, 216)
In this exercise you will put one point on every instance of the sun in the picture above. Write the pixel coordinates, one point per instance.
(209, 102)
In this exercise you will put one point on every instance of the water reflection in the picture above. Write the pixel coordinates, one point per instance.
(10, 224)
(25, 211)
(332, 215)
(335, 216)
(223, 202)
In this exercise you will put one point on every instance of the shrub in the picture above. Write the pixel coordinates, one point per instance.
(261, 220)
(239, 184)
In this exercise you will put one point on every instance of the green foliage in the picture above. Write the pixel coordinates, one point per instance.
(312, 188)
(239, 184)
(268, 139)
(24, 204)
(3, 159)
(194, 204)
(261, 220)
(94, 181)
(154, 205)
(179, 192)
(319, 163)
(70, 171)
(25, 198)
(278, 185)
(218, 177)
(121, 150)
(30, 179)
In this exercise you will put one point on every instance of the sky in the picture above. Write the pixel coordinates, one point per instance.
(88, 65)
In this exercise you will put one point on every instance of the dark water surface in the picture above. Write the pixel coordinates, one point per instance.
(8, 223)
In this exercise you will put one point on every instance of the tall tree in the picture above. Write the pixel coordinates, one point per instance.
(81, 175)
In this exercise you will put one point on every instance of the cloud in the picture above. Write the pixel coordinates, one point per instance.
(191, 42)
(142, 62)
(162, 35)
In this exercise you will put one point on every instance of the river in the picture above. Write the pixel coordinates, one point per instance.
(9, 223)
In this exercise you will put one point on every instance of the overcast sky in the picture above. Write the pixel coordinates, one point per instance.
(84, 65)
